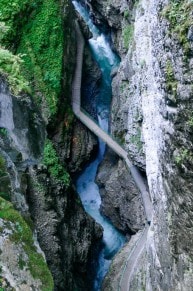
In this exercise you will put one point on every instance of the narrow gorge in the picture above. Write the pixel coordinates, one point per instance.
(76, 214)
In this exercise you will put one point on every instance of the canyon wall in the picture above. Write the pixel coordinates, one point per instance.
(43, 225)
(152, 117)
(41, 143)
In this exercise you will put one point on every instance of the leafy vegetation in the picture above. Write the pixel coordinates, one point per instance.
(34, 29)
(23, 235)
(179, 14)
(42, 45)
(183, 156)
(10, 67)
(127, 35)
(51, 160)
(15, 13)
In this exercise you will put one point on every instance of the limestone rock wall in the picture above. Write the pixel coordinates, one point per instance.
(121, 201)
(65, 232)
(152, 113)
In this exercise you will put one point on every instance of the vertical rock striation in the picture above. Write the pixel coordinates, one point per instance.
(152, 116)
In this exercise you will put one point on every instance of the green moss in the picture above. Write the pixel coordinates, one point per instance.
(182, 156)
(126, 14)
(120, 137)
(2, 167)
(21, 263)
(22, 234)
(127, 35)
(136, 140)
(3, 131)
(190, 122)
(171, 82)
(51, 160)
(179, 14)
(34, 28)
(5, 195)
(42, 43)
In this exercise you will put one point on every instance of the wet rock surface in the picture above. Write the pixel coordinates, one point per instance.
(121, 200)
(91, 78)
(65, 232)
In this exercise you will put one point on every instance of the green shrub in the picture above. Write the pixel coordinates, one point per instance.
(3, 30)
(51, 160)
(182, 156)
(10, 67)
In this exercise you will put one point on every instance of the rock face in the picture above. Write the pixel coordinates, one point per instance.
(53, 210)
(58, 214)
(19, 148)
(121, 201)
(151, 112)
(91, 78)
(23, 266)
(64, 231)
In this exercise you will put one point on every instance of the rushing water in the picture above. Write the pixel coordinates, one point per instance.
(88, 190)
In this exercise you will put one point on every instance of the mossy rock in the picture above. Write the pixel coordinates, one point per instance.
(20, 234)
(179, 14)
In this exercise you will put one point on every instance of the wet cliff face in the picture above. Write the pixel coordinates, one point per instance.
(21, 140)
(152, 112)
(65, 233)
(29, 130)
(121, 200)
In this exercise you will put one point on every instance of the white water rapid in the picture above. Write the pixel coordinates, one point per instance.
(88, 190)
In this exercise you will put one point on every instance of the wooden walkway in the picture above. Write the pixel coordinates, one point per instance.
(89, 123)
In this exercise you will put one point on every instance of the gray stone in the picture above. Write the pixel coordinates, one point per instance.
(190, 33)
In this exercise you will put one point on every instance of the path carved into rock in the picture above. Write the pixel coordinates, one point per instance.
(89, 123)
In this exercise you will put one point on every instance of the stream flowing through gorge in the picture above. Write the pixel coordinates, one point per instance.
(88, 190)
